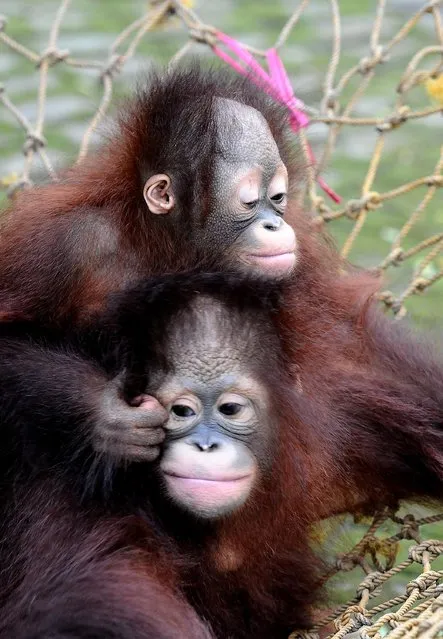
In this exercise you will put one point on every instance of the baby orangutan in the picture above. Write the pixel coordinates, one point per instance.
(215, 529)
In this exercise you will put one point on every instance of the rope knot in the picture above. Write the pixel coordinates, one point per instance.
(387, 297)
(420, 284)
(113, 66)
(395, 120)
(433, 4)
(319, 204)
(368, 63)
(204, 35)
(347, 562)
(370, 583)
(367, 202)
(435, 180)
(433, 546)
(391, 618)
(423, 582)
(354, 616)
(34, 142)
(53, 56)
(396, 256)
(410, 529)
(331, 101)
(391, 301)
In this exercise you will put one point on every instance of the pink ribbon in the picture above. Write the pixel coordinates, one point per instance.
(276, 83)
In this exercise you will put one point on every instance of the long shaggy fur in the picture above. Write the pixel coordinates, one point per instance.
(78, 529)
(251, 573)
(65, 246)
(357, 401)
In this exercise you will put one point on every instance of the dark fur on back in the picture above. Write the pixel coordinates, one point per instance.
(224, 570)
(358, 432)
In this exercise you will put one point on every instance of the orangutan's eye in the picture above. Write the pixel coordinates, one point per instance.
(230, 408)
(181, 410)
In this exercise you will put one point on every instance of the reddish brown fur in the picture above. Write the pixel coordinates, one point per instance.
(359, 368)
(69, 574)
(65, 246)
(357, 431)
(367, 423)
(70, 563)
(361, 429)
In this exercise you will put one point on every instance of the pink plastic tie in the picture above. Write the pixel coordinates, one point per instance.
(276, 83)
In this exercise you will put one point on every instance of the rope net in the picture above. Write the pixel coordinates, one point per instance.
(399, 573)
(335, 116)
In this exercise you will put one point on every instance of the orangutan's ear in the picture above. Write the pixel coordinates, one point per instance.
(158, 194)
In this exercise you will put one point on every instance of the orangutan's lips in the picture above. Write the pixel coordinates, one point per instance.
(207, 491)
(277, 261)
(217, 479)
(270, 256)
